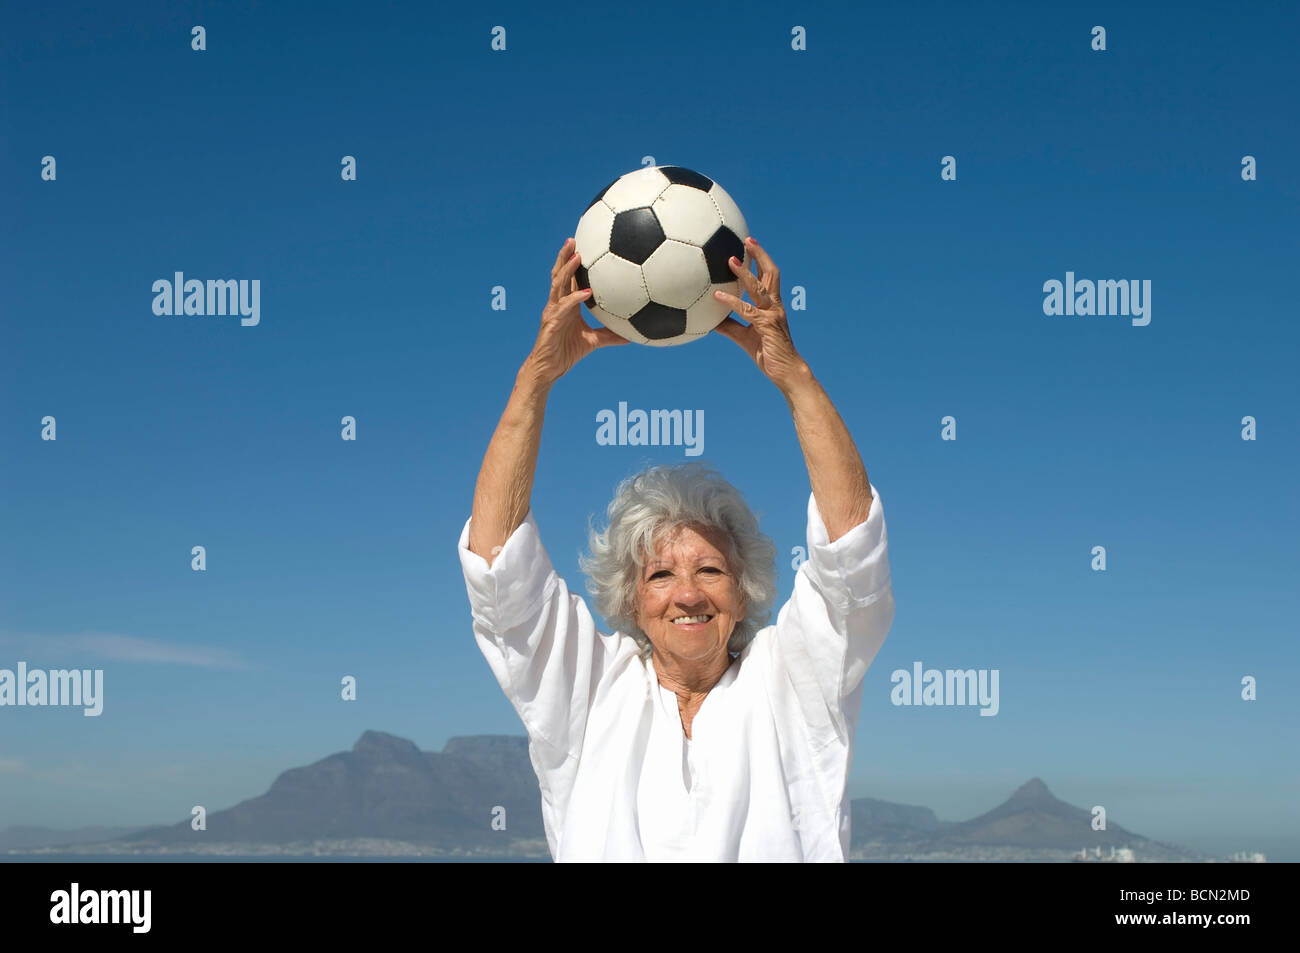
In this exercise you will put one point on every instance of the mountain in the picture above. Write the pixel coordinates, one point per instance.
(1033, 817)
(387, 788)
(883, 820)
(1031, 824)
(386, 797)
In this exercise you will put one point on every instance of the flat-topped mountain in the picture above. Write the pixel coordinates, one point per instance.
(387, 788)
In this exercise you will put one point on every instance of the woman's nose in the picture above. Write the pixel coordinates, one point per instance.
(688, 595)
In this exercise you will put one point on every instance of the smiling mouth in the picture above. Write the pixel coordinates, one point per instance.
(692, 619)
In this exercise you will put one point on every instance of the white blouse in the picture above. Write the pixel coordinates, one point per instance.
(764, 776)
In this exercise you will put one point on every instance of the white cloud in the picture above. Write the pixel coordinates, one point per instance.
(73, 649)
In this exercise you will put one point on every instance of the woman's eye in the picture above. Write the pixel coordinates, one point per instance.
(664, 572)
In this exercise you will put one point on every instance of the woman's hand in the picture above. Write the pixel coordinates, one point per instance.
(766, 338)
(835, 470)
(565, 338)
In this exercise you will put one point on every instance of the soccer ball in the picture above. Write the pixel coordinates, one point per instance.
(654, 246)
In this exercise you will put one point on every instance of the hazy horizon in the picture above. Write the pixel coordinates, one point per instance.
(1280, 850)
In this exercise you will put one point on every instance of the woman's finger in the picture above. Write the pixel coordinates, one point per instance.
(746, 279)
(571, 269)
(565, 283)
(742, 334)
(758, 289)
(770, 274)
(731, 301)
(576, 297)
(603, 337)
(742, 308)
(561, 258)
(732, 328)
(557, 271)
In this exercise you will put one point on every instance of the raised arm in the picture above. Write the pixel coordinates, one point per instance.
(835, 469)
(505, 481)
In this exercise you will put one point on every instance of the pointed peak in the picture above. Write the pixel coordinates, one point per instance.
(383, 744)
(1033, 790)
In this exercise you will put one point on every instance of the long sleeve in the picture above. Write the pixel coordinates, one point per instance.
(834, 624)
(539, 639)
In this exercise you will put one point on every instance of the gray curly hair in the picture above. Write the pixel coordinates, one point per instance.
(664, 498)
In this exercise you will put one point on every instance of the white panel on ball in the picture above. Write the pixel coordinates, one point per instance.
(620, 326)
(731, 216)
(636, 189)
(591, 239)
(676, 274)
(707, 313)
(687, 214)
(622, 290)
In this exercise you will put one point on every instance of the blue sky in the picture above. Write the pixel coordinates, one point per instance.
(328, 558)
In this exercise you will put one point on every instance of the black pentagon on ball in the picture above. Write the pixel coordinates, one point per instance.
(581, 277)
(600, 195)
(657, 322)
(679, 176)
(636, 234)
(718, 250)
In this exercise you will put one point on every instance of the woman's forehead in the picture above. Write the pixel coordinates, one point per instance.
(690, 541)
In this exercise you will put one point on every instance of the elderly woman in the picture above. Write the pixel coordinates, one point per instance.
(695, 731)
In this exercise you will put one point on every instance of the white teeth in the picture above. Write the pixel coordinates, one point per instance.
(690, 618)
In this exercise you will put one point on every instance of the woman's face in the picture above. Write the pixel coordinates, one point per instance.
(688, 601)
